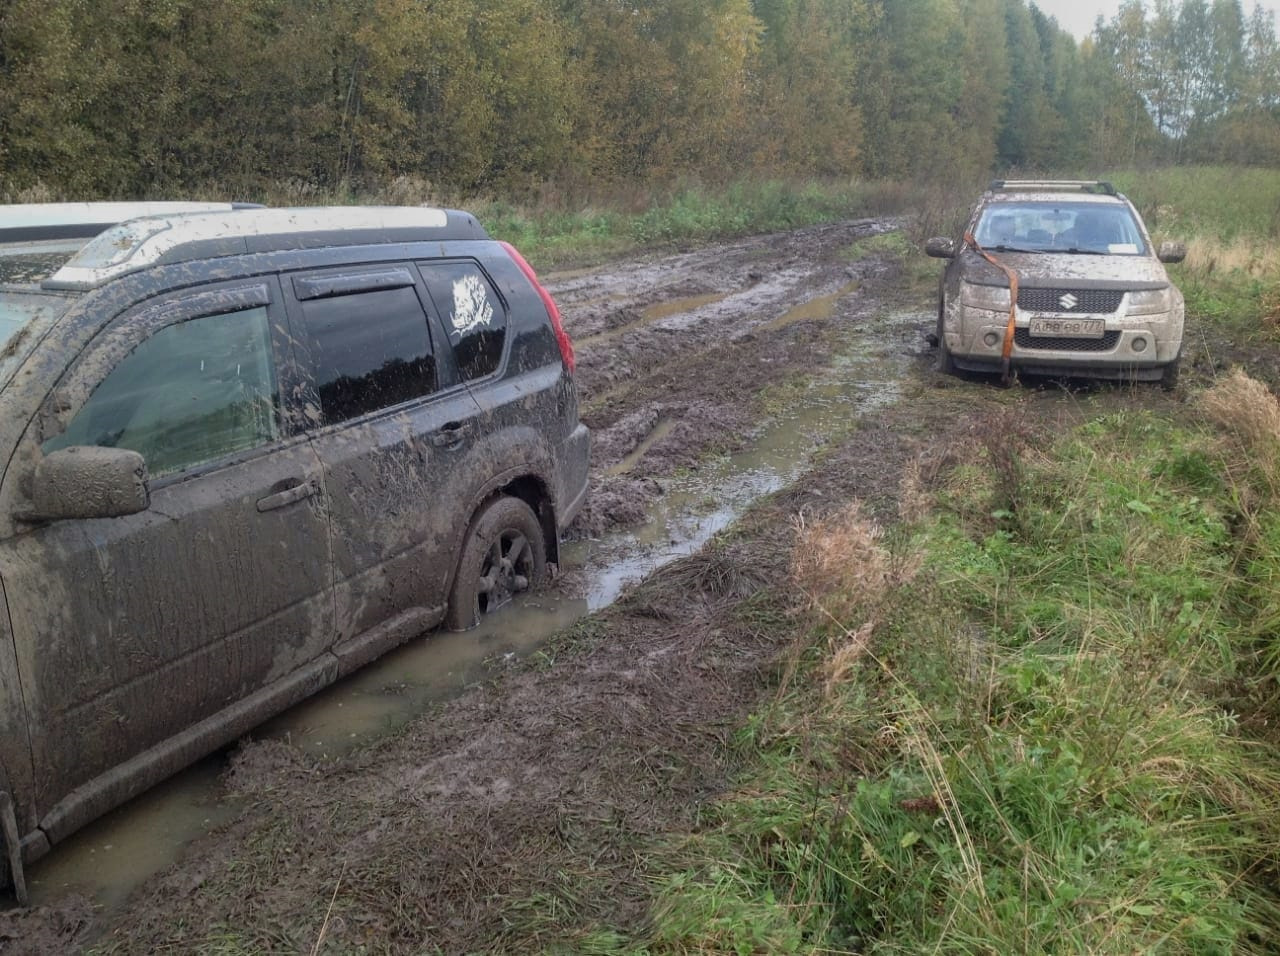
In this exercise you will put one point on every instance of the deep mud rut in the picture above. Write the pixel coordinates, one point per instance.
(514, 816)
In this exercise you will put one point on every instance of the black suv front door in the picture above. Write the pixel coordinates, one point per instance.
(131, 631)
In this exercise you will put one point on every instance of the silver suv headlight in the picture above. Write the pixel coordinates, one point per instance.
(992, 297)
(1150, 302)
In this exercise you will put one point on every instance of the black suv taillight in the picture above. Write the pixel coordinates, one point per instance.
(553, 310)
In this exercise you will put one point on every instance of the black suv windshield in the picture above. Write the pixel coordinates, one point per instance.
(1086, 228)
(21, 315)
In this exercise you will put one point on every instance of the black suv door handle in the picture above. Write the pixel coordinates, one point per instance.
(301, 488)
(449, 436)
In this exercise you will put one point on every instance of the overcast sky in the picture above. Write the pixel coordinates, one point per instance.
(1077, 16)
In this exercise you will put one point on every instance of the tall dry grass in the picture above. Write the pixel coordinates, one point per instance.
(846, 574)
(1247, 409)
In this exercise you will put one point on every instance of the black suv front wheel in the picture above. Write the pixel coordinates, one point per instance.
(504, 555)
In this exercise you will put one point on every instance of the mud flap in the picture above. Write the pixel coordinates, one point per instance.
(13, 847)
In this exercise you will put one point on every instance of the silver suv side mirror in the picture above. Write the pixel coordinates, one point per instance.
(89, 482)
(940, 247)
(1172, 251)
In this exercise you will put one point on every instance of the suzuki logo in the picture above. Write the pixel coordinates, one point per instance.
(1068, 302)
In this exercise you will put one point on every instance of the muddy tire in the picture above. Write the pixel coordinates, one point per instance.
(1169, 377)
(946, 364)
(504, 555)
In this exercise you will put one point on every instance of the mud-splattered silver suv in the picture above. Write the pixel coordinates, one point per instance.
(246, 451)
(1058, 277)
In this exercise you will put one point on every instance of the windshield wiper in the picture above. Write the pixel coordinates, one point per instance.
(1084, 252)
(1003, 248)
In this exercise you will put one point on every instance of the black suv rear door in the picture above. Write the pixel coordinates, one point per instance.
(393, 427)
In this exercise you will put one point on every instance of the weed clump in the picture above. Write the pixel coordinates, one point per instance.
(1247, 409)
(845, 573)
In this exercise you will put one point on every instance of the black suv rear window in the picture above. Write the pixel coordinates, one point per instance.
(370, 350)
(473, 315)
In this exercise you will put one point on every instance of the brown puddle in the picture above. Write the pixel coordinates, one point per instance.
(660, 431)
(547, 278)
(654, 313)
(822, 307)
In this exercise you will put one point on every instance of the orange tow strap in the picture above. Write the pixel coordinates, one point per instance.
(1006, 352)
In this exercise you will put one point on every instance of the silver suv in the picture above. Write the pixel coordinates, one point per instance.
(242, 453)
(1058, 277)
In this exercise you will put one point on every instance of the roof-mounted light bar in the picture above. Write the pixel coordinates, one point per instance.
(142, 243)
(1053, 185)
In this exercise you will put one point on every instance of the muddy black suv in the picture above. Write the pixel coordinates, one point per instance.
(245, 452)
(1092, 295)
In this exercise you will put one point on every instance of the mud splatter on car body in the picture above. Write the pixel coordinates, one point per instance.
(244, 451)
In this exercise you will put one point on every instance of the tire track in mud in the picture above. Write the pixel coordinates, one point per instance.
(687, 343)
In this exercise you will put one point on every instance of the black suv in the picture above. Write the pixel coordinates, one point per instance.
(247, 451)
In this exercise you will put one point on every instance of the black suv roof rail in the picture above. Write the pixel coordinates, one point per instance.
(161, 240)
(42, 222)
(1054, 185)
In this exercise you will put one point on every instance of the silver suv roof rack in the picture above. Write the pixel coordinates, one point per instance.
(1053, 185)
(159, 240)
(40, 222)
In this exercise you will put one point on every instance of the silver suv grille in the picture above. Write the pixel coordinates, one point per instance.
(1025, 340)
(1070, 300)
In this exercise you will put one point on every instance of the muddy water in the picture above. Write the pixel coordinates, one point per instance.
(697, 506)
(109, 858)
(661, 429)
(823, 307)
(651, 314)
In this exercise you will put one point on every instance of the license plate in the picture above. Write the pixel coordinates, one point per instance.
(1069, 328)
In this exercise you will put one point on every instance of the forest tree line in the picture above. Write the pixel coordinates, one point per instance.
(118, 98)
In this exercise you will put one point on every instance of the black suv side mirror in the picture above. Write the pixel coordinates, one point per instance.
(940, 247)
(89, 482)
(1172, 251)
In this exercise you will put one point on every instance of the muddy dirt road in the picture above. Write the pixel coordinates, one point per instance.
(513, 815)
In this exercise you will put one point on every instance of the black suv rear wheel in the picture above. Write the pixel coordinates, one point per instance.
(504, 555)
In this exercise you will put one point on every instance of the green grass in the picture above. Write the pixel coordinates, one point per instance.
(1230, 218)
(690, 213)
(1218, 202)
(1037, 753)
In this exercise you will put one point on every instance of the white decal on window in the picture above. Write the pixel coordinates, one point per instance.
(471, 308)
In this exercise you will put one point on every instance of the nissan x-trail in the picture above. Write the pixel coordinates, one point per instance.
(243, 452)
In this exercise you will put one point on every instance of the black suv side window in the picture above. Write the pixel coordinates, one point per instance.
(189, 394)
(370, 349)
(473, 315)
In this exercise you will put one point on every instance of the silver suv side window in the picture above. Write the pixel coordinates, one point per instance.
(189, 394)
(370, 350)
(473, 315)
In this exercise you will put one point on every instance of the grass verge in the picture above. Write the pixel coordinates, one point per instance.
(1230, 220)
(685, 213)
(1025, 721)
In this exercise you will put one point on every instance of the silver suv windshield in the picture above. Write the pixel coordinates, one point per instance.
(1080, 228)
